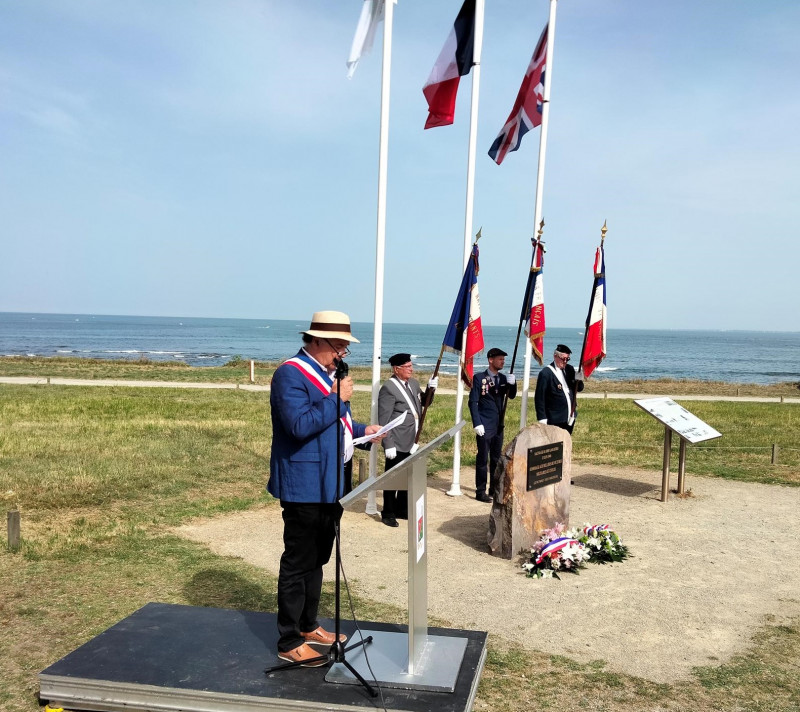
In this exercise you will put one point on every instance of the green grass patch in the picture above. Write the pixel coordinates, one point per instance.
(99, 475)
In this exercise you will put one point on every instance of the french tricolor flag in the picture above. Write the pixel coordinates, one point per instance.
(464, 333)
(455, 61)
(533, 312)
(594, 345)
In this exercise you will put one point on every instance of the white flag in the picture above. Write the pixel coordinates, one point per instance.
(371, 15)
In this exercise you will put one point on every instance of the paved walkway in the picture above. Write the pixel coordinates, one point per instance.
(57, 381)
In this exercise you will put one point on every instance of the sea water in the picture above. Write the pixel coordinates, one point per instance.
(730, 356)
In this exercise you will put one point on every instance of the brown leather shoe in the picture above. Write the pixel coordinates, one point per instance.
(304, 654)
(320, 636)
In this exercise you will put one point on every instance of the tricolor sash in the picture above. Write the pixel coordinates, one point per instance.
(596, 529)
(409, 400)
(554, 546)
(322, 384)
(562, 379)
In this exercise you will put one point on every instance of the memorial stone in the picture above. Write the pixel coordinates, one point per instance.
(532, 491)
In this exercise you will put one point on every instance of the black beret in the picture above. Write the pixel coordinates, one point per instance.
(563, 349)
(399, 359)
(496, 352)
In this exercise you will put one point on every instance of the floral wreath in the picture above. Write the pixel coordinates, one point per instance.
(567, 550)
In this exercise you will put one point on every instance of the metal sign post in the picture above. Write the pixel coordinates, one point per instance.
(689, 428)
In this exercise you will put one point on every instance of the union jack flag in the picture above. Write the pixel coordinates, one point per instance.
(527, 111)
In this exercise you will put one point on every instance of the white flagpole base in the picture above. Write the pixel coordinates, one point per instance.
(454, 491)
(372, 507)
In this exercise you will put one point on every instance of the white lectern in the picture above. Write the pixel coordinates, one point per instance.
(413, 660)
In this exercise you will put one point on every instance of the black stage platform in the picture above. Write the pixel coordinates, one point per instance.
(165, 658)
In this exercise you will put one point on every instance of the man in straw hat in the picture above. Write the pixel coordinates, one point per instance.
(309, 427)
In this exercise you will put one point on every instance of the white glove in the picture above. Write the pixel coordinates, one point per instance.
(511, 378)
(543, 421)
(479, 430)
(414, 448)
(391, 453)
(579, 376)
(433, 384)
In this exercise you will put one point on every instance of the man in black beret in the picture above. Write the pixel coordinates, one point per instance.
(489, 389)
(400, 394)
(557, 389)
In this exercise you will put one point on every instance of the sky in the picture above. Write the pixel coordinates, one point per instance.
(210, 158)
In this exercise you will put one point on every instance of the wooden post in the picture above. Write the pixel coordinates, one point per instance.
(774, 454)
(252, 371)
(665, 471)
(13, 530)
(737, 392)
(681, 466)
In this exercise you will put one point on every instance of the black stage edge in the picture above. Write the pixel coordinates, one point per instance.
(164, 658)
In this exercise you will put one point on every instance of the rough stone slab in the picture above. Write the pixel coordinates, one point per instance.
(518, 517)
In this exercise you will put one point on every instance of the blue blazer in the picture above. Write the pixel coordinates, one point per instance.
(302, 463)
(485, 401)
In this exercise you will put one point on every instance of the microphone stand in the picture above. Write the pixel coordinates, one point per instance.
(337, 651)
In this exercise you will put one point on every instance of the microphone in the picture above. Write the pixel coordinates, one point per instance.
(342, 369)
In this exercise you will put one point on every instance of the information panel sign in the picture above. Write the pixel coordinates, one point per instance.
(678, 419)
(545, 465)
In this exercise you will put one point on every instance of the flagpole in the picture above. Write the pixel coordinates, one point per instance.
(383, 156)
(537, 212)
(455, 486)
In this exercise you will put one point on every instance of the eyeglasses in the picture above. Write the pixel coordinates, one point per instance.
(341, 351)
(564, 357)
(406, 365)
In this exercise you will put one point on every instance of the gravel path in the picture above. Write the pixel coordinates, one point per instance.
(706, 573)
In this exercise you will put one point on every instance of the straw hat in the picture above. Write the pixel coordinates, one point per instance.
(330, 325)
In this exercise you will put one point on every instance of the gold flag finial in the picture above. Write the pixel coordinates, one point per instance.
(603, 232)
(478, 234)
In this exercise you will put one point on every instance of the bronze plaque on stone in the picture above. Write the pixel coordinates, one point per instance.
(545, 465)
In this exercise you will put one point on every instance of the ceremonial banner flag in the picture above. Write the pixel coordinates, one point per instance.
(464, 333)
(594, 340)
(371, 15)
(533, 311)
(527, 111)
(455, 61)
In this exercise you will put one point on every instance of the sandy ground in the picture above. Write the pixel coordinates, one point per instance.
(707, 572)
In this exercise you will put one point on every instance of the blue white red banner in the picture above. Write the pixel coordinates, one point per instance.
(464, 333)
(594, 340)
(533, 312)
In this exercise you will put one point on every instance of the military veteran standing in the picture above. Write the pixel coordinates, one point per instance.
(486, 397)
(400, 394)
(557, 387)
(310, 427)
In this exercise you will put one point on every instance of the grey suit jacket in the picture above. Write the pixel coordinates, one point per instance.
(391, 404)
